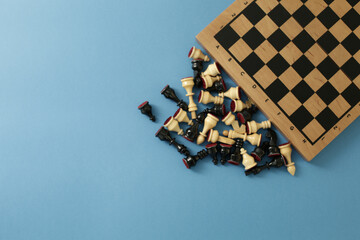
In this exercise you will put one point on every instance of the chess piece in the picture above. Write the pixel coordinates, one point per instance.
(212, 150)
(275, 163)
(273, 148)
(172, 125)
(208, 81)
(253, 127)
(285, 150)
(196, 53)
(248, 161)
(218, 110)
(188, 84)
(169, 93)
(238, 105)
(181, 116)
(229, 119)
(246, 114)
(213, 69)
(193, 132)
(253, 139)
(209, 123)
(205, 97)
(213, 136)
(218, 86)
(232, 93)
(224, 152)
(191, 161)
(236, 157)
(145, 108)
(197, 66)
(260, 152)
(164, 135)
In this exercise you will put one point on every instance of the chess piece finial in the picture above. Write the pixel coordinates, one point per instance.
(205, 97)
(181, 116)
(285, 150)
(236, 157)
(214, 136)
(273, 148)
(218, 110)
(224, 152)
(212, 150)
(248, 161)
(172, 125)
(229, 119)
(209, 123)
(188, 84)
(253, 127)
(145, 108)
(238, 105)
(169, 93)
(213, 69)
(196, 53)
(191, 161)
(260, 152)
(232, 93)
(164, 135)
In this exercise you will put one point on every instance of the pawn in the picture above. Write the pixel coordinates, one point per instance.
(212, 150)
(191, 161)
(205, 97)
(193, 132)
(218, 86)
(248, 161)
(260, 152)
(273, 148)
(188, 84)
(224, 152)
(214, 136)
(197, 66)
(238, 105)
(209, 123)
(285, 150)
(145, 108)
(253, 127)
(173, 125)
(196, 53)
(218, 110)
(164, 135)
(246, 114)
(253, 139)
(181, 116)
(232, 93)
(208, 81)
(213, 69)
(236, 157)
(169, 93)
(229, 119)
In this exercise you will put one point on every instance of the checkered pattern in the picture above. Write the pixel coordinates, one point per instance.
(304, 55)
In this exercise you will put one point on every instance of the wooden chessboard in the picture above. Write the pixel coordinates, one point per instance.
(297, 60)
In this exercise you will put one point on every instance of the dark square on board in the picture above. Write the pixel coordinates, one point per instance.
(352, 2)
(351, 68)
(303, 16)
(327, 42)
(251, 64)
(327, 93)
(352, 94)
(351, 43)
(327, 119)
(302, 91)
(253, 38)
(328, 1)
(351, 19)
(278, 39)
(303, 66)
(227, 37)
(304, 41)
(301, 118)
(278, 65)
(276, 91)
(328, 67)
(254, 13)
(279, 15)
(328, 17)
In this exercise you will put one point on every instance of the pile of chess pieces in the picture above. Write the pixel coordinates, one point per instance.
(230, 145)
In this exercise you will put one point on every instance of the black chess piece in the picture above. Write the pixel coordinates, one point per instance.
(273, 148)
(169, 93)
(191, 161)
(246, 114)
(212, 149)
(145, 108)
(257, 169)
(225, 150)
(218, 110)
(236, 157)
(218, 86)
(193, 131)
(260, 152)
(277, 162)
(164, 135)
(197, 66)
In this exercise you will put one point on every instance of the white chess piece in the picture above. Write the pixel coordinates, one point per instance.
(181, 116)
(248, 161)
(209, 123)
(214, 137)
(173, 125)
(238, 105)
(213, 69)
(196, 53)
(232, 93)
(285, 150)
(205, 97)
(229, 119)
(188, 84)
(253, 126)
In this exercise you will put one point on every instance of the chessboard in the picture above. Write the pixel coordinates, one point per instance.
(298, 60)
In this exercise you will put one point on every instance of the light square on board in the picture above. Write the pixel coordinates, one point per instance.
(291, 53)
(240, 50)
(241, 25)
(289, 103)
(357, 32)
(357, 81)
(340, 7)
(266, 51)
(316, 54)
(315, 79)
(315, 105)
(291, 5)
(316, 6)
(357, 7)
(266, 26)
(313, 130)
(290, 78)
(265, 76)
(316, 29)
(267, 5)
(291, 28)
(339, 106)
(357, 56)
(340, 31)
(340, 81)
(340, 55)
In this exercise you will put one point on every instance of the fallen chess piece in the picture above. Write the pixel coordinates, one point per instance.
(253, 139)
(212, 149)
(213, 69)
(246, 114)
(164, 135)
(191, 161)
(145, 108)
(229, 119)
(253, 127)
(209, 123)
(260, 152)
(248, 161)
(172, 125)
(236, 157)
(181, 116)
(238, 105)
(218, 110)
(169, 93)
(273, 148)
(233, 93)
(285, 150)
(196, 53)
(193, 132)
(214, 136)
(197, 66)
(188, 84)
(205, 97)
(225, 150)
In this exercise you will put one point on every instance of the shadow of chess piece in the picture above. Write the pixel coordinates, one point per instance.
(191, 161)
(169, 93)
(164, 135)
(212, 149)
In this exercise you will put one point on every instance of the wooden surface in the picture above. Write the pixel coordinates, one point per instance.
(299, 62)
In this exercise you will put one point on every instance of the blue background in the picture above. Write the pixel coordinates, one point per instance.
(79, 161)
